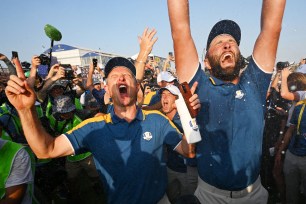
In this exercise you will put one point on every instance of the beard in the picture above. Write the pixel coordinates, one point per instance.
(228, 74)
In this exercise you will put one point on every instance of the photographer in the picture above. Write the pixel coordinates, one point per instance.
(95, 88)
(59, 82)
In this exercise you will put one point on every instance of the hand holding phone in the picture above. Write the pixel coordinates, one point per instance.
(18, 66)
(95, 63)
(14, 54)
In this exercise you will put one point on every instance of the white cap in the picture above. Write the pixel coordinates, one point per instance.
(301, 69)
(158, 78)
(165, 76)
(172, 88)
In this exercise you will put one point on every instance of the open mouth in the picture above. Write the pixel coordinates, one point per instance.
(122, 89)
(227, 57)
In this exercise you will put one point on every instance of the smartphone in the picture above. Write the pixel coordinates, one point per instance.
(14, 54)
(94, 62)
(186, 93)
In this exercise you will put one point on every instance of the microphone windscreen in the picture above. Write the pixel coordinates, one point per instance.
(53, 33)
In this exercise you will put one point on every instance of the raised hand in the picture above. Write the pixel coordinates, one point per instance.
(35, 61)
(19, 92)
(147, 40)
(194, 99)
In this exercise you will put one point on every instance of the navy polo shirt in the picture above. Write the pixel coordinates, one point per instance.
(231, 122)
(297, 144)
(175, 161)
(128, 156)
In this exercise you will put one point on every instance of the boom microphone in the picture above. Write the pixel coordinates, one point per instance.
(52, 33)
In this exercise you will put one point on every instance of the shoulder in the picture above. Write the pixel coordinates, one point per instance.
(199, 76)
(94, 122)
(153, 113)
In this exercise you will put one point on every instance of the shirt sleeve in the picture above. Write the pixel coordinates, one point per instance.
(21, 171)
(172, 135)
(302, 94)
(78, 135)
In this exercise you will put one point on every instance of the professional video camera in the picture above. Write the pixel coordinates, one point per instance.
(44, 59)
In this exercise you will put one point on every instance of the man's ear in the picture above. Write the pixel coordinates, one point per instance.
(206, 63)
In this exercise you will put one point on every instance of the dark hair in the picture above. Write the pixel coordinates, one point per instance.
(296, 80)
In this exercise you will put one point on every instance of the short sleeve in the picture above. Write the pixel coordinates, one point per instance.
(21, 171)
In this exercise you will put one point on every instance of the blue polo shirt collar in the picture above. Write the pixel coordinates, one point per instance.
(115, 119)
(218, 82)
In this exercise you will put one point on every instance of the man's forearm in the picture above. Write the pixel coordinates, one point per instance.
(187, 149)
(182, 39)
(42, 94)
(39, 140)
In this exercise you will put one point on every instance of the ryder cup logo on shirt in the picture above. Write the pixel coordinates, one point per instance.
(147, 136)
(239, 94)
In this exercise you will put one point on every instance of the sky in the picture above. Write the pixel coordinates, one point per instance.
(112, 26)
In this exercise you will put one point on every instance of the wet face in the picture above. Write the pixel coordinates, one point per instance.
(122, 87)
(223, 58)
(168, 101)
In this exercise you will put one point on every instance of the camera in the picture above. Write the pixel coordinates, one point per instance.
(69, 73)
(44, 59)
(282, 65)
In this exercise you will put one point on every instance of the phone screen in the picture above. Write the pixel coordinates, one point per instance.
(94, 62)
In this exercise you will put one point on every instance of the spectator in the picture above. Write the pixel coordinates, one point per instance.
(165, 78)
(232, 113)
(16, 182)
(126, 144)
(56, 85)
(302, 67)
(98, 92)
(296, 90)
(275, 126)
(82, 176)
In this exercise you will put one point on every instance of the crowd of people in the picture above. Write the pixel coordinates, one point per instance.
(121, 136)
